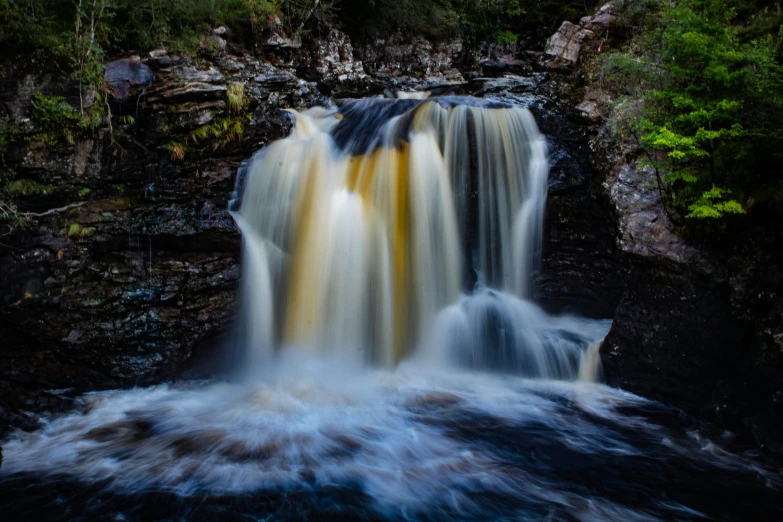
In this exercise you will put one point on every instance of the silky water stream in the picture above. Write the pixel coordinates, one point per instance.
(390, 362)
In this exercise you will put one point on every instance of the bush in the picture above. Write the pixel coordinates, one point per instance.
(712, 106)
(54, 119)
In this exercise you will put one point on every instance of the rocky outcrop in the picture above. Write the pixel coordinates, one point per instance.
(567, 42)
(565, 46)
(128, 260)
(400, 55)
(329, 60)
(696, 323)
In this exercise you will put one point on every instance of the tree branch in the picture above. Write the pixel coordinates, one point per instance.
(53, 210)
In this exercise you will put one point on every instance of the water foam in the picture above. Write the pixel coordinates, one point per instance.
(415, 439)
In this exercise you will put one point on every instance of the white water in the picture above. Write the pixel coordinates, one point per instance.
(357, 244)
(315, 422)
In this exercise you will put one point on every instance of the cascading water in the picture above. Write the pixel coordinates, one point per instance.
(387, 329)
(363, 226)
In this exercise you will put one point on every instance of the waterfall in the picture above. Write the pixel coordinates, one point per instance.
(396, 241)
(384, 229)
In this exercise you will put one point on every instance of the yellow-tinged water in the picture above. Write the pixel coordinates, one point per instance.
(365, 236)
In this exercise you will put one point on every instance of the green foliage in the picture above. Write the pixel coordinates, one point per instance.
(711, 104)
(79, 32)
(235, 98)
(33, 24)
(221, 130)
(76, 230)
(709, 205)
(504, 37)
(55, 120)
(180, 23)
(27, 187)
(84, 191)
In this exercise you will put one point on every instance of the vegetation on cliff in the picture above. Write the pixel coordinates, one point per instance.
(475, 20)
(700, 87)
(132, 24)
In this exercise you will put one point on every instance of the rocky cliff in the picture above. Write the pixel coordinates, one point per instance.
(128, 259)
(699, 324)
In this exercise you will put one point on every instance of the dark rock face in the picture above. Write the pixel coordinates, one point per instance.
(699, 326)
(581, 269)
(677, 337)
(696, 326)
(403, 55)
(131, 259)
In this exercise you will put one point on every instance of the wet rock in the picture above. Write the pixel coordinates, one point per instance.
(695, 323)
(123, 74)
(132, 259)
(271, 77)
(507, 84)
(645, 228)
(501, 59)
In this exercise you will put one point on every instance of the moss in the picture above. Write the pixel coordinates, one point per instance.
(27, 187)
(177, 151)
(87, 232)
(55, 120)
(84, 191)
(74, 230)
(78, 231)
(235, 98)
(222, 130)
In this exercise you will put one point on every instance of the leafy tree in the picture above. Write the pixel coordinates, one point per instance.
(712, 106)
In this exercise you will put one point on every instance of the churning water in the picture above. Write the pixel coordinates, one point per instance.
(391, 363)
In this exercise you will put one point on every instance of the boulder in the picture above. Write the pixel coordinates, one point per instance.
(567, 42)
(123, 74)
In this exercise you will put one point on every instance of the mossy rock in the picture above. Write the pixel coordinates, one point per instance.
(27, 187)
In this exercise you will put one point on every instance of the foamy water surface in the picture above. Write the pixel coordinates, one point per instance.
(408, 443)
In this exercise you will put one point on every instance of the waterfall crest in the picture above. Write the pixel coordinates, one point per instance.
(366, 224)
